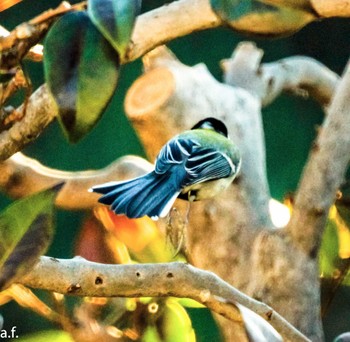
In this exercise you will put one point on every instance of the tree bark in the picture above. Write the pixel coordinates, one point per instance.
(241, 245)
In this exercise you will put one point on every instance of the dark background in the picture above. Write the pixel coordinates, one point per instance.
(290, 125)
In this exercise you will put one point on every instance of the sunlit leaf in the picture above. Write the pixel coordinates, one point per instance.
(175, 324)
(151, 335)
(343, 229)
(328, 255)
(81, 69)
(26, 230)
(264, 18)
(334, 267)
(49, 335)
(115, 19)
(257, 328)
(141, 236)
(190, 303)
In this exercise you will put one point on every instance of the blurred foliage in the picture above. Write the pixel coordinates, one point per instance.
(289, 130)
(26, 230)
(263, 17)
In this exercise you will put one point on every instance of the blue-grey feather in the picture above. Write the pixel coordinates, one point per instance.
(146, 195)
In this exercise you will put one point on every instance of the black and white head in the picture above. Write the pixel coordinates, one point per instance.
(213, 124)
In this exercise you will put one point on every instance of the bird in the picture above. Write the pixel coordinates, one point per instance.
(194, 165)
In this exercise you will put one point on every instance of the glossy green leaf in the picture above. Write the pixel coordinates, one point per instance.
(49, 335)
(26, 230)
(115, 19)
(81, 69)
(176, 325)
(264, 17)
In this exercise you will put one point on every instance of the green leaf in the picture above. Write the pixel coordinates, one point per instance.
(175, 324)
(151, 335)
(49, 335)
(26, 230)
(81, 69)
(328, 256)
(264, 17)
(115, 19)
(189, 303)
(334, 256)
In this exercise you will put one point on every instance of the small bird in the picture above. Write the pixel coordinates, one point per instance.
(196, 164)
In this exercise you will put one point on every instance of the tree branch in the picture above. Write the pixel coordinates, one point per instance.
(22, 176)
(324, 172)
(166, 23)
(41, 110)
(297, 75)
(151, 29)
(83, 278)
(331, 8)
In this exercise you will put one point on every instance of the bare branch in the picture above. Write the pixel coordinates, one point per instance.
(79, 277)
(22, 176)
(35, 53)
(298, 75)
(151, 29)
(166, 23)
(331, 8)
(15, 45)
(324, 172)
(41, 110)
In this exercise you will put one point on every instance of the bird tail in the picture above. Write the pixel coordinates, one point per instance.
(152, 195)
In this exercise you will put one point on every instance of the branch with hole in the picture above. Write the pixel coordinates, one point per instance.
(83, 278)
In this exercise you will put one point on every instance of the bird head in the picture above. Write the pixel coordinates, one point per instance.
(212, 124)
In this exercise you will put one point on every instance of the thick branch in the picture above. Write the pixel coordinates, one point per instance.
(166, 23)
(324, 172)
(297, 75)
(79, 277)
(21, 176)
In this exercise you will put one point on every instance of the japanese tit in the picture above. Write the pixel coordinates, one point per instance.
(194, 165)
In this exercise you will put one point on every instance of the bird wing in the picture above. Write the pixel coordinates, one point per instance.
(175, 152)
(206, 164)
(200, 164)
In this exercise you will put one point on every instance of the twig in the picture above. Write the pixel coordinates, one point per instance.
(41, 110)
(15, 45)
(324, 172)
(35, 53)
(83, 278)
(297, 74)
(22, 176)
